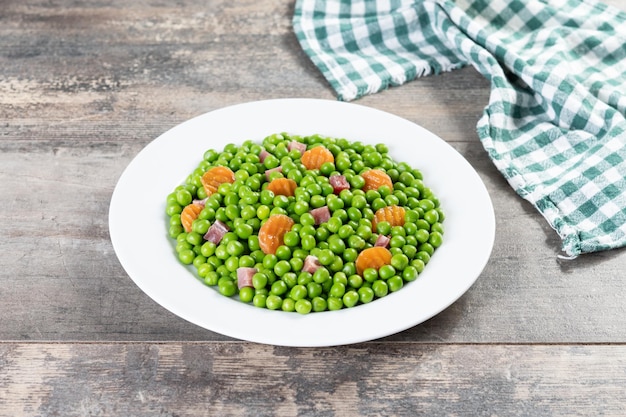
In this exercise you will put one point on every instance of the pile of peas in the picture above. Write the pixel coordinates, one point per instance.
(280, 282)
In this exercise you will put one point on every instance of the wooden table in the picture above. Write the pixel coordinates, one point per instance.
(84, 86)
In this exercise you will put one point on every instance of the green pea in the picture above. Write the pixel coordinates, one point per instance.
(211, 278)
(423, 256)
(283, 252)
(336, 245)
(288, 305)
(273, 302)
(348, 267)
(397, 241)
(395, 283)
(267, 197)
(359, 202)
(321, 275)
(248, 212)
(366, 294)
(334, 303)
(203, 269)
(227, 288)
(296, 264)
(253, 243)
(319, 304)
(337, 290)
(291, 238)
(356, 242)
(435, 239)
(345, 231)
(355, 281)
(244, 231)
(301, 207)
(307, 219)
(334, 203)
(350, 298)
(259, 280)
(409, 249)
(186, 256)
(269, 261)
(333, 224)
(259, 300)
(313, 289)
(321, 233)
(279, 287)
(418, 264)
(175, 230)
(370, 274)
(380, 288)
(246, 294)
(234, 248)
(308, 242)
(326, 257)
(410, 273)
(298, 292)
(365, 232)
(282, 267)
(173, 208)
(399, 261)
(386, 271)
(303, 306)
(317, 201)
(183, 197)
(232, 263)
(431, 216)
(194, 238)
(437, 227)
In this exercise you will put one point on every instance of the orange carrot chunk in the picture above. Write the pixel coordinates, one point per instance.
(315, 157)
(374, 257)
(216, 176)
(189, 214)
(272, 232)
(283, 186)
(376, 178)
(394, 215)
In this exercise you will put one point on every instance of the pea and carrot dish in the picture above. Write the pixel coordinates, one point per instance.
(305, 223)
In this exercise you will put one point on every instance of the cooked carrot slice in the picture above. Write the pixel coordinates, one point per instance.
(189, 214)
(272, 232)
(375, 178)
(283, 186)
(374, 257)
(215, 176)
(314, 158)
(392, 214)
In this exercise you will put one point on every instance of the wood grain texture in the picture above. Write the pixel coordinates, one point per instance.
(375, 379)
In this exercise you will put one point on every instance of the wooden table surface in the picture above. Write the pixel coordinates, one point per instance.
(85, 85)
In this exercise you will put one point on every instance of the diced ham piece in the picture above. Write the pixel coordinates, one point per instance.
(382, 241)
(321, 215)
(200, 202)
(269, 171)
(264, 154)
(244, 276)
(339, 183)
(300, 147)
(216, 232)
(311, 264)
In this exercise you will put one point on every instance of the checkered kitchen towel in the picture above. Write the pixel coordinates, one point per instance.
(555, 124)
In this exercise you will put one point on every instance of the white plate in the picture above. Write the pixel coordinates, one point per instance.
(146, 252)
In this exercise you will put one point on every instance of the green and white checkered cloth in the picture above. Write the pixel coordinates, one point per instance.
(555, 124)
